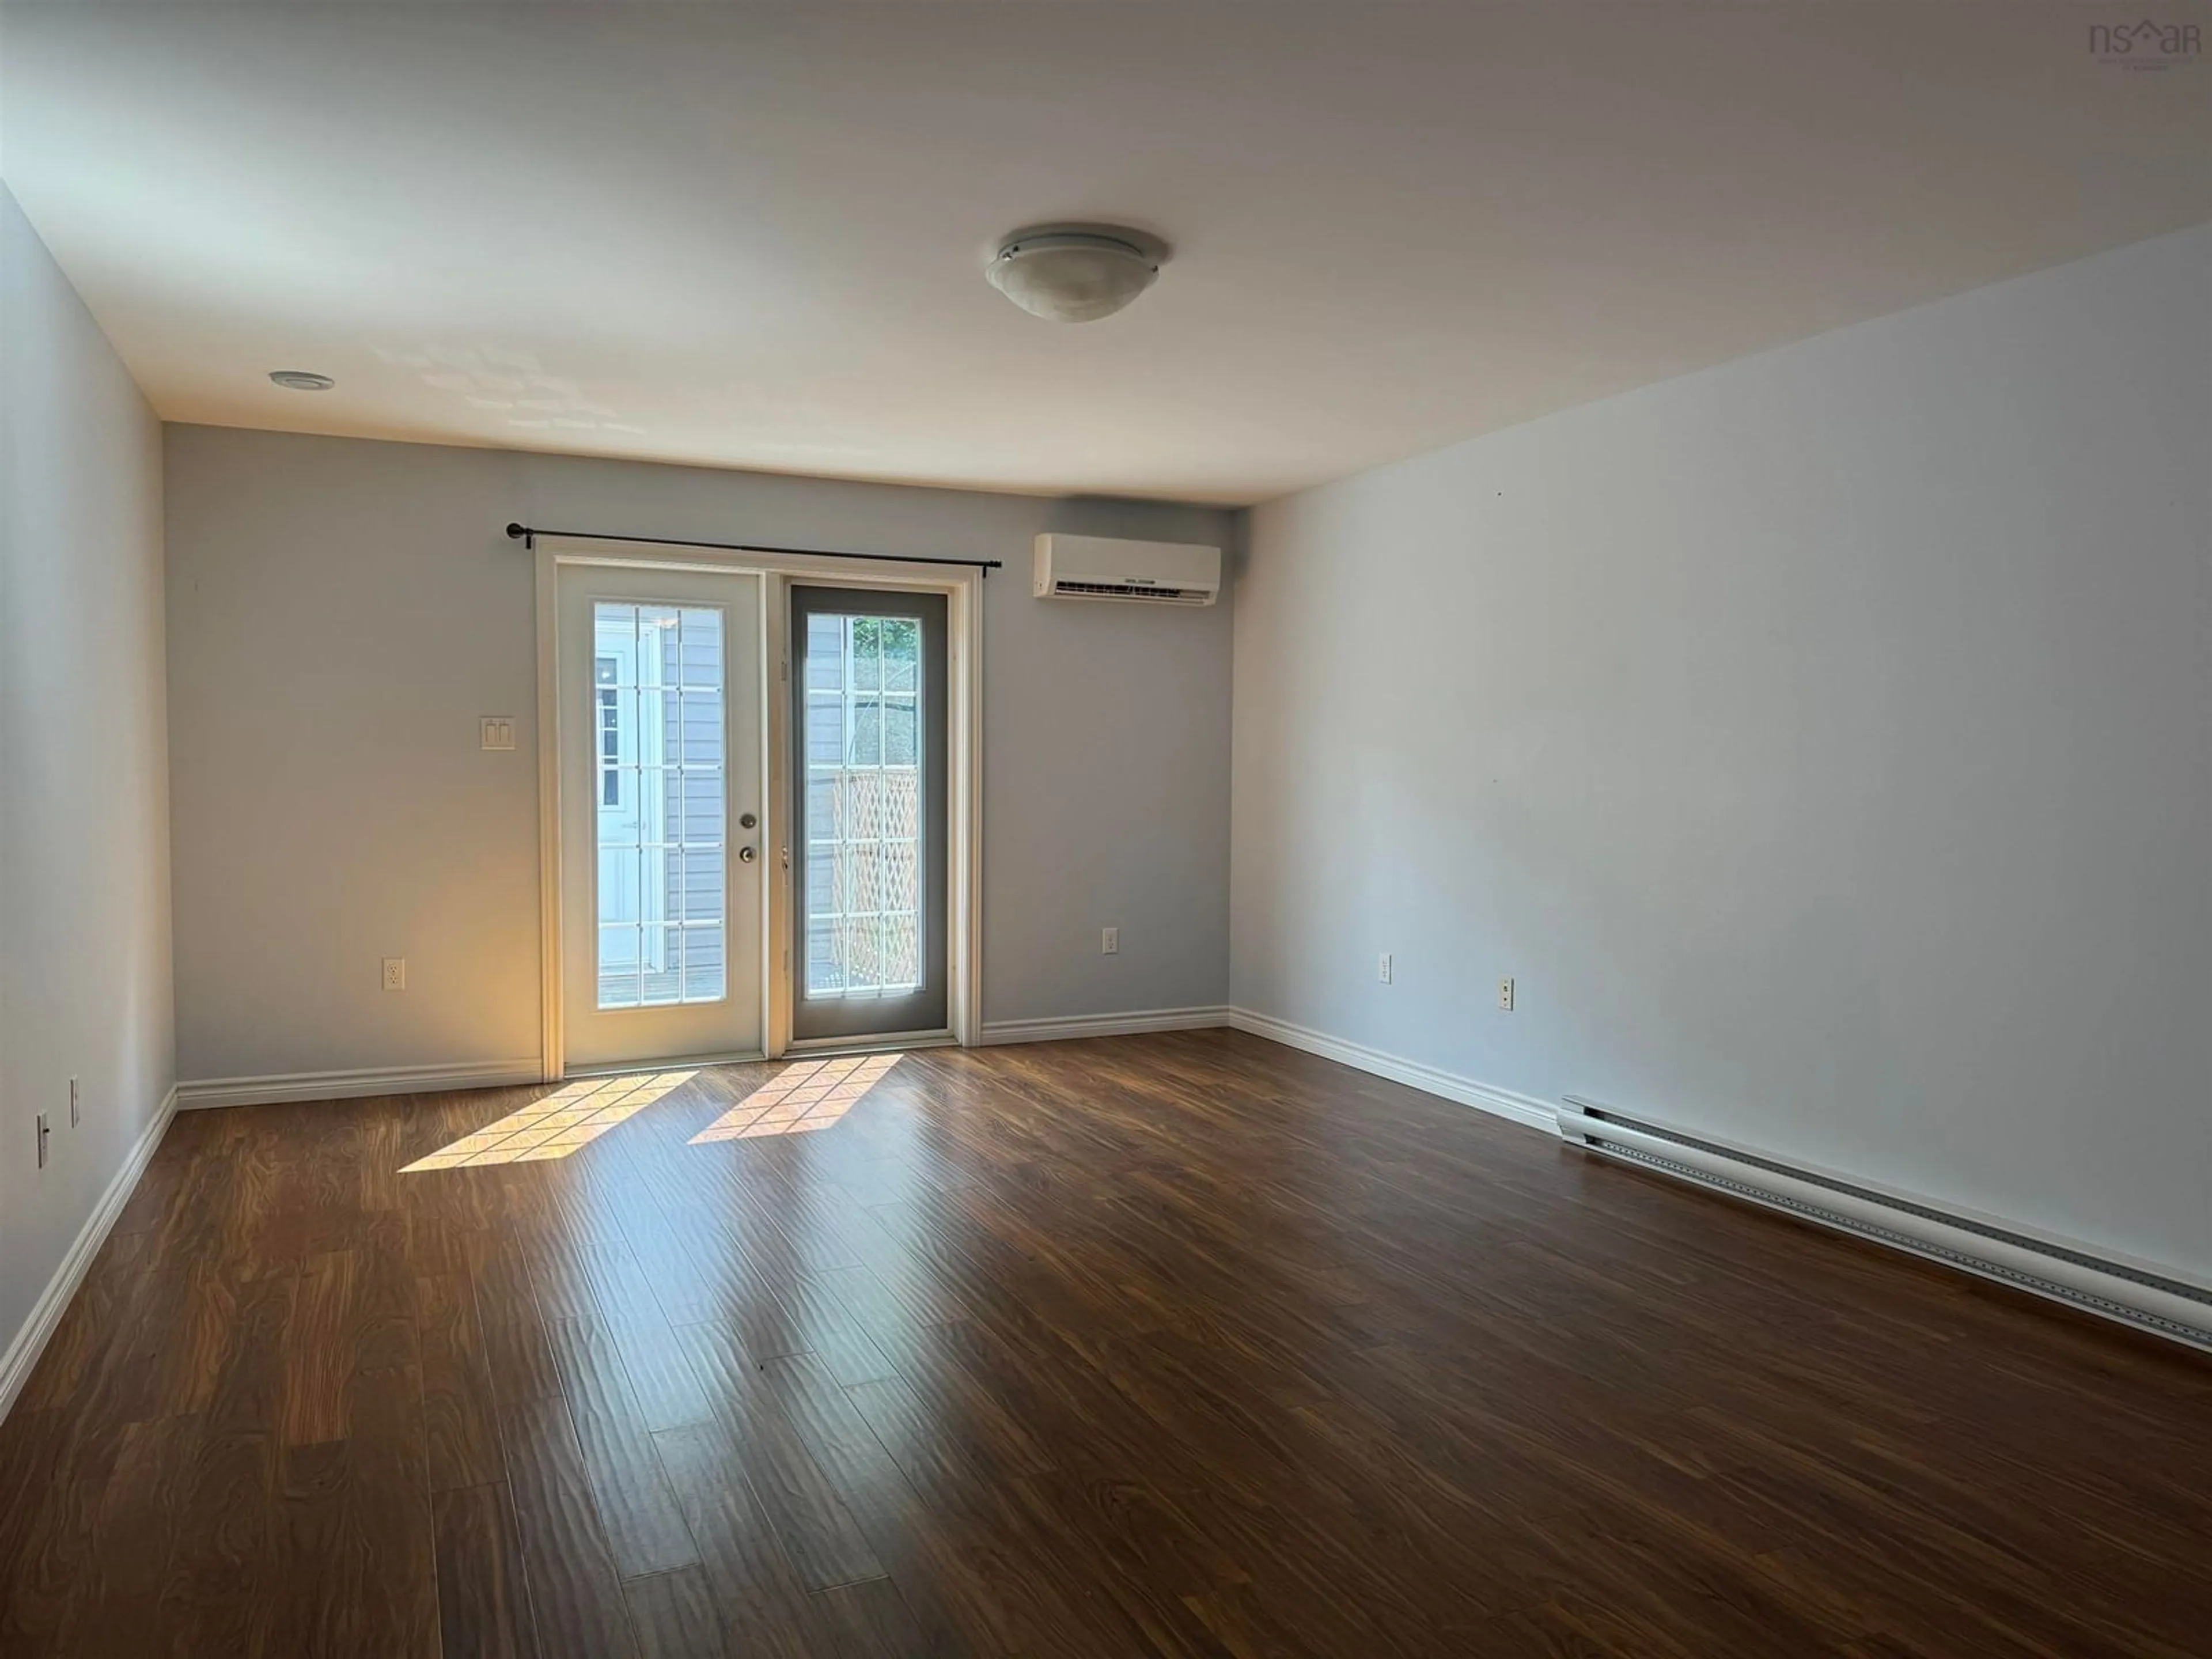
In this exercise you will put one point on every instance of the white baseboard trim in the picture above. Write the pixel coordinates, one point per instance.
(351, 1086)
(1465, 1090)
(29, 1342)
(1094, 1025)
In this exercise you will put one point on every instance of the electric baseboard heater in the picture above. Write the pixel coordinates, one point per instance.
(2134, 1296)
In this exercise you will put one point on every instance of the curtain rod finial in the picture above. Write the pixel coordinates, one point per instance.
(515, 532)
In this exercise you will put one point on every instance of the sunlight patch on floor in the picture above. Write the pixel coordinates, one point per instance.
(812, 1094)
(574, 1114)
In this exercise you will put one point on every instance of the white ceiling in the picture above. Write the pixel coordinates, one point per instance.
(752, 235)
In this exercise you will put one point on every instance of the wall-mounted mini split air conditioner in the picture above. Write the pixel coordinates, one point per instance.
(1102, 567)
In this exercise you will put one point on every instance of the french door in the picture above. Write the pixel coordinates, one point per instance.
(661, 796)
(867, 842)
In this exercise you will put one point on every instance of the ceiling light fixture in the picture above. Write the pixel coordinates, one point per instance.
(1075, 273)
(302, 379)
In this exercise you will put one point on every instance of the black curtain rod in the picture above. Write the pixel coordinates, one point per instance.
(528, 535)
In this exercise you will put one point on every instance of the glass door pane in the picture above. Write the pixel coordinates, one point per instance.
(657, 687)
(863, 826)
(869, 736)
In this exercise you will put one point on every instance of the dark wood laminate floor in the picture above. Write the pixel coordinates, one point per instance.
(1174, 1344)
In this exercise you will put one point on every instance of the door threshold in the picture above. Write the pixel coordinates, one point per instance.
(645, 1067)
(885, 1043)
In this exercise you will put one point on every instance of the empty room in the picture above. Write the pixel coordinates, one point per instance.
(1031, 829)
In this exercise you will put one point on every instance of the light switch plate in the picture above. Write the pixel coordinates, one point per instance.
(495, 731)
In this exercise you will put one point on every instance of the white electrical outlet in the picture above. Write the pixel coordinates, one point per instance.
(1109, 941)
(1382, 967)
(75, 1117)
(1505, 995)
(395, 973)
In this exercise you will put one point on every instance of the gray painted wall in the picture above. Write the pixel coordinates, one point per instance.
(341, 612)
(84, 878)
(1824, 742)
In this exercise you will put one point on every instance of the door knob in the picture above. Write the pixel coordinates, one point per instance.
(746, 855)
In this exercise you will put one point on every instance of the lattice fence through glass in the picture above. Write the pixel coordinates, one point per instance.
(863, 806)
(661, 795)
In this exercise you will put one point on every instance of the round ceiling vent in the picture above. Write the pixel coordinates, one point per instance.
(302, 379)
(1075, 273)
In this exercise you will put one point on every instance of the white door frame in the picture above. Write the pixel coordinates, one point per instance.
(963, 591)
